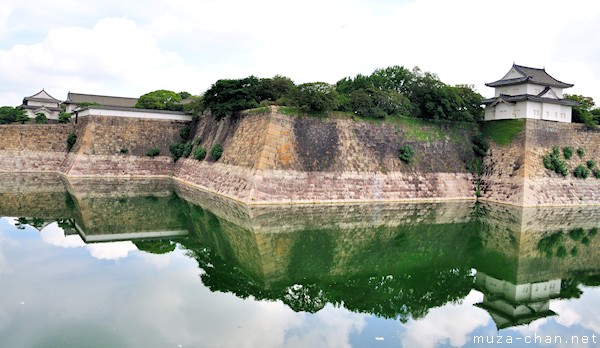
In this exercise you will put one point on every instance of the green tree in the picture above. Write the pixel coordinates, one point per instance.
(583, 112)
(64, 117)
(216, 151)
(160, 100)
(225, 97)
(22, 117)
(275, 88)
(314, 97)
(472, 101)
(194, 106)
(396, 78)
(8, 114)
(184, 95)
(41, 118)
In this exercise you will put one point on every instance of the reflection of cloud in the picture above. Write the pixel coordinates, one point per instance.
(159, 261)
(583, 311)
(332, 327)
(451, 323)
(54, 235)
(111, 251)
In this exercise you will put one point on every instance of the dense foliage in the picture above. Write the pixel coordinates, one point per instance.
(391, 91)
(583, 112)
(41, 118)
(228, 96)
(71, 140)
(160, 100)
(8, 114)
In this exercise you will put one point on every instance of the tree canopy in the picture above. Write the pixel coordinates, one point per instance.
(390, 91)
(584, 112)
(160, 100)
(8, 114)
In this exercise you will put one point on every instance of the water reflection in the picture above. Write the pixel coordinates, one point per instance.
(414, 263)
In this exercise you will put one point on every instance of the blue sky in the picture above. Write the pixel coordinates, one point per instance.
(129, 48)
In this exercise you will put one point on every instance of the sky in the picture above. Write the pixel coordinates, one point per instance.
(129, 48)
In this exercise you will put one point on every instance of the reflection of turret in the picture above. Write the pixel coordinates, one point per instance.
(516, 304)
(532, 255)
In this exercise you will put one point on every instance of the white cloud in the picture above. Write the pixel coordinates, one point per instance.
(188, 45)
(115, 56)
(450, 323)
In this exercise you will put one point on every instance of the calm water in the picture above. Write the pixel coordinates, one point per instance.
(140, 263)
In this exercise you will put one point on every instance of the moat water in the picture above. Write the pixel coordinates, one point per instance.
(151, 263)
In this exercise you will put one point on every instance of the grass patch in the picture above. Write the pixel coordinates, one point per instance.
(503, 132)
(422, 130)
(293, 111)
(258, 111)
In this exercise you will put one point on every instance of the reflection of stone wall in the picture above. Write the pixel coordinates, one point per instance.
(274, 243)
(41, 195)
(512, 235)
(118, 205)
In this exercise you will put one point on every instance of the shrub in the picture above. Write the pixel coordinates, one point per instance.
(581, 172)
(176, 150)
(22, 117)
(576, 234)
(585, 241)
(574, 251)
(593, 232)
(591, 164)
(40, 118)
(124, 150)
(568, 152)
(71, 139)
(480, 145)
(64, 117)
(580, 152)
(596, 173)
(197, 141)
(187, 149)
(184, 133)
(553, 162)
(153, 152)
(406, 154)
(216, 151)
(200, 153)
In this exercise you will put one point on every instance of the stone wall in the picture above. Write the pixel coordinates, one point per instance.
(270, 157)
(100, 140)
(273, 158)
(33, 147)
(515, 173)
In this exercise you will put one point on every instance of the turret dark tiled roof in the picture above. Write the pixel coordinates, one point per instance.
(530, 75)
(78, 98)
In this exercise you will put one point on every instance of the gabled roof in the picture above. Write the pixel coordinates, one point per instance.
(78, 98)
(41, 96)
(530, 75)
